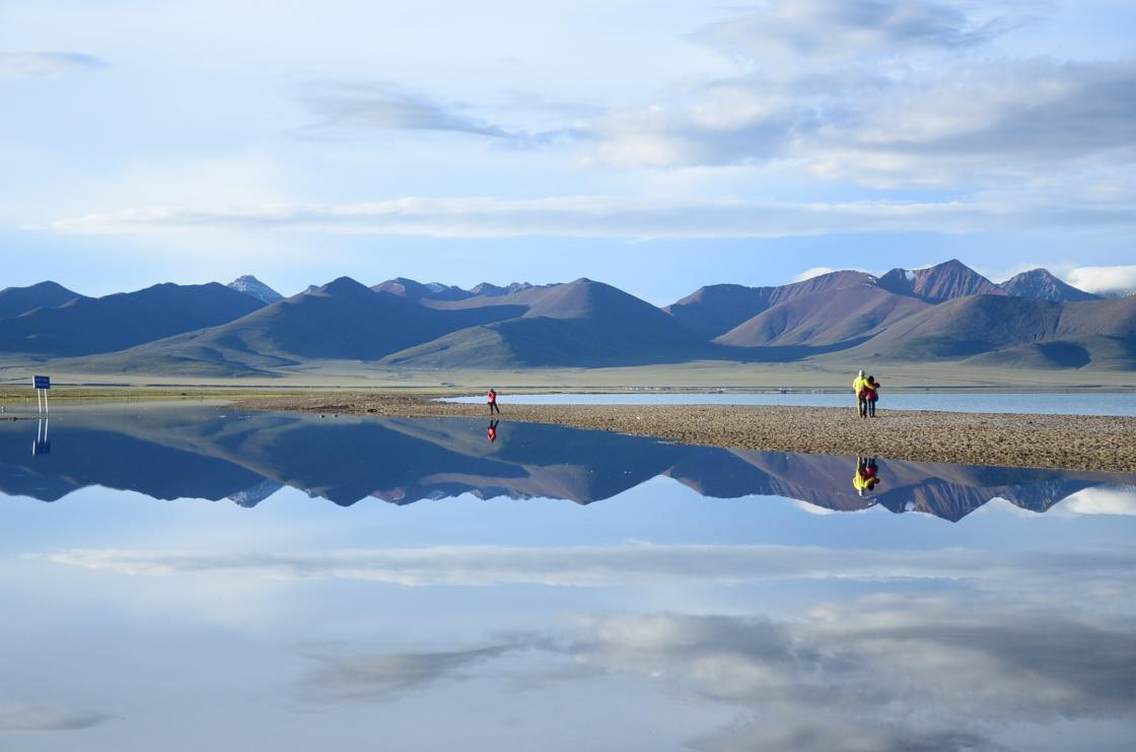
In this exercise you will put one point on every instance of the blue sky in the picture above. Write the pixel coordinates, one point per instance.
(657, 145)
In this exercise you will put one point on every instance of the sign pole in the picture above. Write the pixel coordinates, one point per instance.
(41, 384)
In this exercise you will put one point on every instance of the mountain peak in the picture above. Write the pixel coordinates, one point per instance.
(16, 301)
(342, 286)
(934, 284)
(250, 285)
(415, 290)
(1043, 285)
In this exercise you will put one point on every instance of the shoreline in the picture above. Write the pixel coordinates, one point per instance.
(1069, 442)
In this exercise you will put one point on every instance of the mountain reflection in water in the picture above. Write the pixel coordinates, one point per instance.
(207, 454)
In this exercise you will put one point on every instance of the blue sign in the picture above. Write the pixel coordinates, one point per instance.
(41, 382)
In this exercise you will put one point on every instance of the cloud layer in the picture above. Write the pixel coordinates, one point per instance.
(885, 672)
(608, 217)
(1103, 279)
(608, 566)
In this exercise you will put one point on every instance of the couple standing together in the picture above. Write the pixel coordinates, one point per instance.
(867, 391)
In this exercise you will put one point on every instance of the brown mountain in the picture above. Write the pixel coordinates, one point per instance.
(824, 318)
(935, 284)
(714, 310)
(1040, 284)
(582, 323)
(1057, 335)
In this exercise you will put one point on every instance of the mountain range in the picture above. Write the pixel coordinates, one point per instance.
(946, 312)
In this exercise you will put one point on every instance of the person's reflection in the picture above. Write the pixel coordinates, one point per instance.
(867, 475)
(491, 432)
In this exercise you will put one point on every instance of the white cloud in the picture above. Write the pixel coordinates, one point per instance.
(817, 271)
(889, 672)
(809, 30)
(26, 64)
(588, 216)
(357, 107)
(1103, 279)
(601, 566)
(978, 121)
(1109, 501)
(41, 718)
(352, 676)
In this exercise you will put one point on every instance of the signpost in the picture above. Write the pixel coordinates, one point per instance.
(41, 445)
(41, 384)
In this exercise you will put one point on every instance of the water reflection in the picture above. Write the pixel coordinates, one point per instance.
(866, 675)
(246, 458)
(660, 621)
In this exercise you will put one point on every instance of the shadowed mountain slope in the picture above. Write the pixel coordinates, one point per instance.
(987, 323)
(340, 320)
(824, 318)
(16, 301)
(582, 323)
(716, 309)
(99, 325)
(1040, 284)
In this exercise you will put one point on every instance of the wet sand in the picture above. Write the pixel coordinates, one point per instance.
(1070, 442)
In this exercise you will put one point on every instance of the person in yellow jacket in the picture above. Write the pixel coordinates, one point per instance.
(867, 475)
(859, 387)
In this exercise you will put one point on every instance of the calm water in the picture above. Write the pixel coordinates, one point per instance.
(1069, 403)
(199, 579)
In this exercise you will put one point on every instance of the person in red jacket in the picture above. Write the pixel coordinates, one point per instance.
(491, 433)
(872, 395)
(492, 397)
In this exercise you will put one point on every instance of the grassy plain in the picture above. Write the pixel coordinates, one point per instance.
(15, 381)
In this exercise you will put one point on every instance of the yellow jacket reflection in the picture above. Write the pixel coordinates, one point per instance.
(867, 475)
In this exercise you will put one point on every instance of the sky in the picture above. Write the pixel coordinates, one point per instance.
(658, 146)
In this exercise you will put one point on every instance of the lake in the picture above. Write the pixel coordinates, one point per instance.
(203, 578)
(1063, 403)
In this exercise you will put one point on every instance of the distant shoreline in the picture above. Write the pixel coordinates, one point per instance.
(1091, 443)
(11, 393)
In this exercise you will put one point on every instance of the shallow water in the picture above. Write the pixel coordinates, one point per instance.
(201, 579)
(1065, 403)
